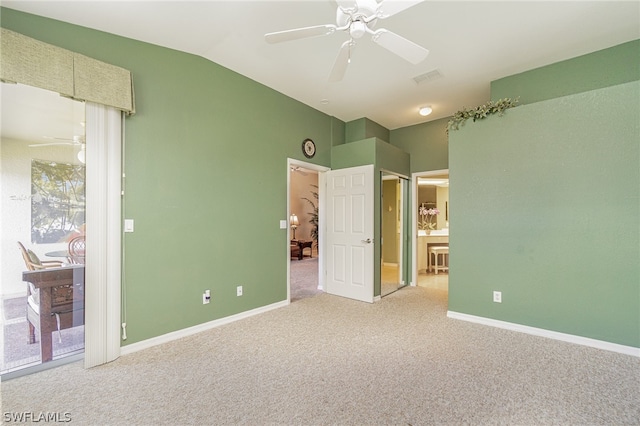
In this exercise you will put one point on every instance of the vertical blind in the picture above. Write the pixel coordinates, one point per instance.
(104, 241)
(35, 63)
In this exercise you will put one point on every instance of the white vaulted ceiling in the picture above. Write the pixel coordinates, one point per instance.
(471, 43)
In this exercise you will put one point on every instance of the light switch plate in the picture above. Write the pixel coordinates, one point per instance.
(128, 225)
(283, 224)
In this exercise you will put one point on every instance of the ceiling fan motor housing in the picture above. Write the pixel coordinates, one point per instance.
(358, 20)
(357, 29)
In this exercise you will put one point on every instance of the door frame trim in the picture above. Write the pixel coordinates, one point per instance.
(414, 219)
(291, 162)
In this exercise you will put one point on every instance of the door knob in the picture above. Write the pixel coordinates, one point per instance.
(367, 241)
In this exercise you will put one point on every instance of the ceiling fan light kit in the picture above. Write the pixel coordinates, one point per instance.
(359, 18)
(82, 155)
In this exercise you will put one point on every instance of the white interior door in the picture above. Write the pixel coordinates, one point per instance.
(350, 233)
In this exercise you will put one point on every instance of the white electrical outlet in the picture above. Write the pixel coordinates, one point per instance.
(206, 297)
(239, 290)
(497, 296)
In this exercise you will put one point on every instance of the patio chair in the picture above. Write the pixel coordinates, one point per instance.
(33, 263)
(76, 249)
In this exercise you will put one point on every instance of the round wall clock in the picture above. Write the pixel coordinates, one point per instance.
(308, 148)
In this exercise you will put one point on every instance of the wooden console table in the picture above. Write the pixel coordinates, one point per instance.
(303, 244)
(61, 299)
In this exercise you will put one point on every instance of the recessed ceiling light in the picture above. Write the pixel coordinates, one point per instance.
(425, 110)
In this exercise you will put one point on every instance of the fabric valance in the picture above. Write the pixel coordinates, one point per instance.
(28, 61)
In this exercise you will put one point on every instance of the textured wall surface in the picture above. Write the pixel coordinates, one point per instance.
(546, 208)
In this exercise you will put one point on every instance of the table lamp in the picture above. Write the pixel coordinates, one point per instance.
(294, 222)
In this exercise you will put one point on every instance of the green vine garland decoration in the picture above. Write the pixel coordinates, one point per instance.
(480, 112)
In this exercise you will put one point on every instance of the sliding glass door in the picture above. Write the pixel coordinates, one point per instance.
(42, 214)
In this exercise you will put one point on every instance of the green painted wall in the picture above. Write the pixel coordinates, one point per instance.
(608, 67)
(392, 159)
(355, 130)
(364, 128)
(337, 131)
(206, 167)
(546, 208)
(427, 143)
(354, 154)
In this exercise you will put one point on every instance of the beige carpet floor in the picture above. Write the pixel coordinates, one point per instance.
(326, 360)
(304, 278)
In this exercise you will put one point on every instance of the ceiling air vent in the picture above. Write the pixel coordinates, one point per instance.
(427, 76)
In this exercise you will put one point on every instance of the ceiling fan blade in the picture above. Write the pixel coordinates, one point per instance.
(298, 33)
(402, 47)
(341, 62)
(347, 5)
(77, 139)
(390, 7)
(57, 139)
(39, 145)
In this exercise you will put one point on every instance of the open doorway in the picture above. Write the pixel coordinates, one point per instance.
(304, 212)
(430, 194)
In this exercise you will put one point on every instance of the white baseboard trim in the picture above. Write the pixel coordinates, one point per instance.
(174, 335)
(570, 338)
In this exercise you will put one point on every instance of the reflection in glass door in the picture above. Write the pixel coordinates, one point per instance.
(393, 242)
(42, 214)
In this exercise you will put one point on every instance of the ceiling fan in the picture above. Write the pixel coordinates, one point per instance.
(77, 140)
(359, 17)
